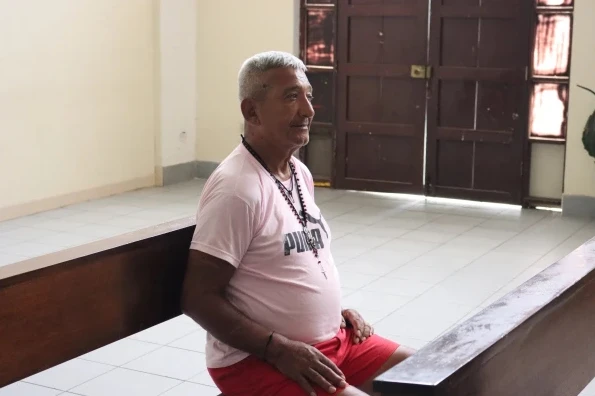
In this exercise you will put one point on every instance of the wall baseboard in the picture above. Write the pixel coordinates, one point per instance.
(29, 208)
(205, 168)
(163, 176)
(178, 173)
(158, 176)
(184, 172)
(578, 205)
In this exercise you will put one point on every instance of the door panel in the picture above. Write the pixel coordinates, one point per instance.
(477, 110)
(495, 101)
(456, 104)
(381, 109)
(459, 42)
(392, 162)
(455, 162)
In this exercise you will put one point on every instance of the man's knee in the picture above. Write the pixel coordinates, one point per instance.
(351, 391)
(399, 355)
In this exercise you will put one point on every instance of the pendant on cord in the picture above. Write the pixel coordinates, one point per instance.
(309, 237)
(312, 243)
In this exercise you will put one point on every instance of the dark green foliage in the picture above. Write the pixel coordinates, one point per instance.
(589, 132)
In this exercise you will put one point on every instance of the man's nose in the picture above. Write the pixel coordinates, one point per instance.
(306, 109)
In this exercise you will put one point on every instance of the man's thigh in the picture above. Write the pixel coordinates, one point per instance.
(363, 361)
(253, 377)
(359, 363)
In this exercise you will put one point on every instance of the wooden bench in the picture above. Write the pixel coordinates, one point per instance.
(57, 307)
(534, 341)
(538, 340)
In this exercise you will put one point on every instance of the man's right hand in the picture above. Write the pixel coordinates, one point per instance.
(305, 365)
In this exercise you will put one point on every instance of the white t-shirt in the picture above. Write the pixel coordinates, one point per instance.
(244, 219)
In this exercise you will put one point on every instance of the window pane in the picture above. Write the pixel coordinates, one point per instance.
(320, 49)
(552, 45)
(549, 110)
(322, 84)
(555, 2)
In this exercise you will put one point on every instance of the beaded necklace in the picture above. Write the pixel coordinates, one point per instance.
(289, 199)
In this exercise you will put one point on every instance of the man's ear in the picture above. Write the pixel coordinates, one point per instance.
(248, 107)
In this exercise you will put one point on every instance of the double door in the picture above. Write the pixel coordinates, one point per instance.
(432, 97)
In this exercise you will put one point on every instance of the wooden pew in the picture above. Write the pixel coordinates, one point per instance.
(539, 340)
(60, 306)
(535, 341)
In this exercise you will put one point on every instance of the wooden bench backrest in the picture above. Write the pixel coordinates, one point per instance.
(90, 296)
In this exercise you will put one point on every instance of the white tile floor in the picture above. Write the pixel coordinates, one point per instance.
(413, 267)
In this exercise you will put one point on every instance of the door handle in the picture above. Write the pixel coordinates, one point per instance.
(421, 72)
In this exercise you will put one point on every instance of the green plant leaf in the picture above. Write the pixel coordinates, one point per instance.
(589, 135)
(586, 89)
(589, 131)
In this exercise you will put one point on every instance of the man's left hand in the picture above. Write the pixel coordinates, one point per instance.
(362, 330)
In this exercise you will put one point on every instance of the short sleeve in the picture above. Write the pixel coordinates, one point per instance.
(225, 226)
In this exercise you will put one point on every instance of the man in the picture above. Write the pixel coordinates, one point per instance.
(261, 278)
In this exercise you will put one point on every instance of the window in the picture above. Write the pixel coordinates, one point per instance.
(551, 54)
(550, 72)
(320, 40)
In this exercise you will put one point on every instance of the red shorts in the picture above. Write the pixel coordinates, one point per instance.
(358, 362)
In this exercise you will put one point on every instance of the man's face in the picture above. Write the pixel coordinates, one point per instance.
(286, 112)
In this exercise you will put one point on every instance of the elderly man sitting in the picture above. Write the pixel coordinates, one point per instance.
(261, 278)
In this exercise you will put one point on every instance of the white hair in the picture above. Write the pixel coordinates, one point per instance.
(250, 76)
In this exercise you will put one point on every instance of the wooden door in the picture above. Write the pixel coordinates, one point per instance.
(381, 108)
(477, 112)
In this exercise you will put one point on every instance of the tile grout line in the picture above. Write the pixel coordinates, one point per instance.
(541, 257)
(486, 299)
(113, 367)
(460, 269)
(41, 386)
(438, 245)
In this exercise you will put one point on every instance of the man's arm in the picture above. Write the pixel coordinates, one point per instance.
(204, 300)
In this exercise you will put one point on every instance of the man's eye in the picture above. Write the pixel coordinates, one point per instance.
(292, 96)
(310, 98)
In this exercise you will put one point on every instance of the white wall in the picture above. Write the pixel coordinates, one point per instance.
(547, 170)
(95, 95)
(178, 68)
(579, 176)
(229, 32)
(77, 99)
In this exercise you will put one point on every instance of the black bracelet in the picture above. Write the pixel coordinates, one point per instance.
(264, 357)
